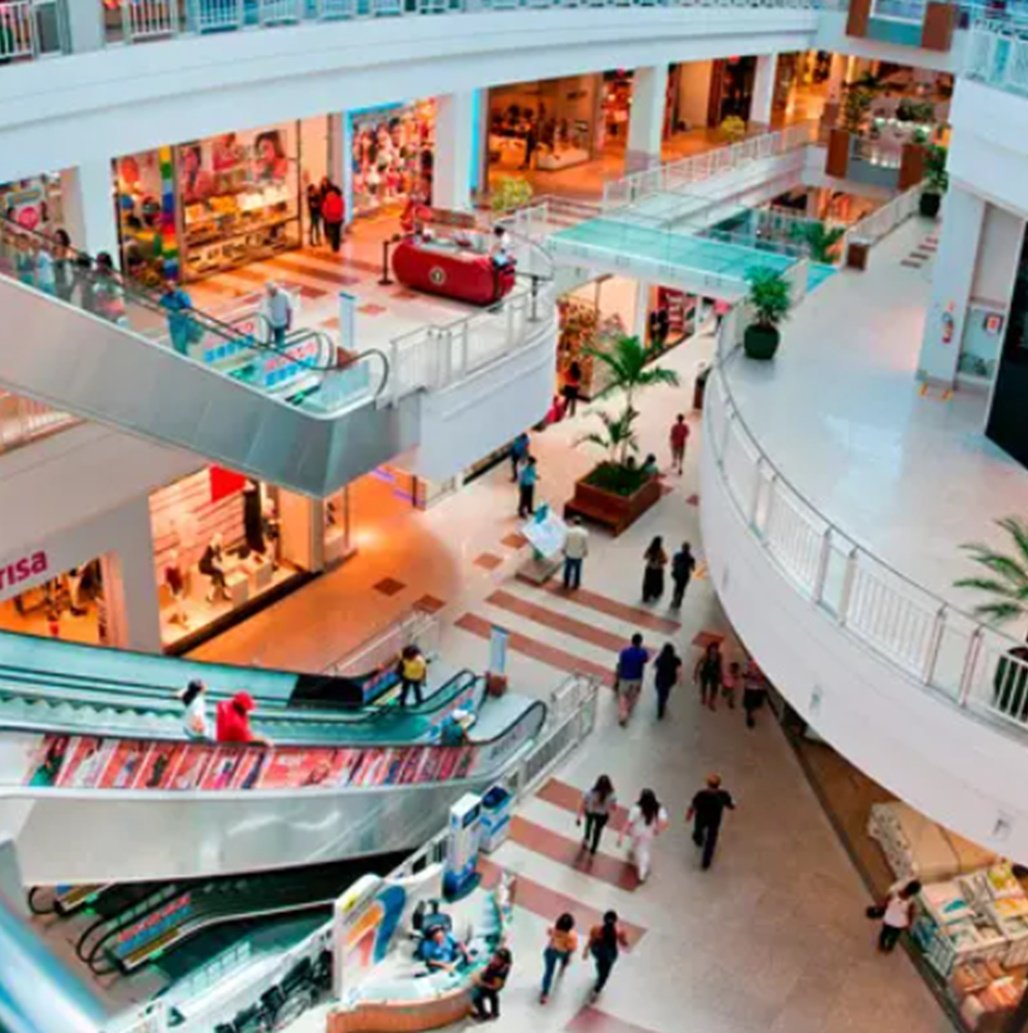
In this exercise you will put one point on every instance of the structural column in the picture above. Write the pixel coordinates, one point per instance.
(87, 193)
(455, 131)
(85, 27)
(646, 122)
(131, 610)
(762, 103)
(952, 277)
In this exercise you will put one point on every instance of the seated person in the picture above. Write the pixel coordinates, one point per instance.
(499, 253)
(443, 951)
(649, 466)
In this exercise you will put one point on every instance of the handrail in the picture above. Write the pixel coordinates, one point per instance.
(906, 624)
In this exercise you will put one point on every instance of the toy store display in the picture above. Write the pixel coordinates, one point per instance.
(392, 154)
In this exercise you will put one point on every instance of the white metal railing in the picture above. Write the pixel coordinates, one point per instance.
(997, 54)
(416, 626)
(17, 29)
(910, 627)
(571, 719)
(883, 220)
(23, 420)
(674, 176)
(149, 19)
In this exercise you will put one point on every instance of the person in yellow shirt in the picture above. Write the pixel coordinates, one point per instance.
(563, 942)
(413, 672)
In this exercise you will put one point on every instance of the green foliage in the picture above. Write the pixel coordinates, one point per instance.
(856, 103)
(1007, 582)
(617, 478)
(936, 178)
(820, 240)
(770, 296)
(910, 110)
(733, 128)
(627, 361)
(509, 193)
(618, 436)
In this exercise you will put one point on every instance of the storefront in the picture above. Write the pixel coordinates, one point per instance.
(549, 125)
(224, 546)
(392, 151)
(34, 202)
(202, 207)
(67, 605)
(731, 89)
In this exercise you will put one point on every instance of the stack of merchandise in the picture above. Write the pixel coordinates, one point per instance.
(988, 1010)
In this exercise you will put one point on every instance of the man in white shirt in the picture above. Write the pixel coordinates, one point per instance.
(576, 548)
(279, 310)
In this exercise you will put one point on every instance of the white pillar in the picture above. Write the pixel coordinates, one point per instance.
(763, 89)
(130, 582)
(952, 277)
(646, 121)
(454, 132)
(340, 167)
(87, 196)
(85, 26)
(640, 321)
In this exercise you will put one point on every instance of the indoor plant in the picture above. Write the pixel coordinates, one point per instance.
(1007, 579)
(936, 179)
(616, 491)
(509, 193)
(733, 128)
(821, 240)
(770, 299)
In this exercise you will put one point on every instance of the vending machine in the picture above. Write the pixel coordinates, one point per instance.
(460, 875)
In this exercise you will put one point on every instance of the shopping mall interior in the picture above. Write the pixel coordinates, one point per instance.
(445, 448)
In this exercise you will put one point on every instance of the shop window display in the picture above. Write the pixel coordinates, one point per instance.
(67, 606)
(218, 547)
(209, 205)
(34, 203)
(392, 155)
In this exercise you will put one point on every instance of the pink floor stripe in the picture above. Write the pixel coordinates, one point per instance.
(592, 1020)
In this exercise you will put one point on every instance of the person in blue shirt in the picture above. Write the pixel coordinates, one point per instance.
(526, 488)
(177, 303)
(443, 952)
(632, 662)
(518, 451)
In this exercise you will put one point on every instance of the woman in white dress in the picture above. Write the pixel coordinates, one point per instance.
(646, 820)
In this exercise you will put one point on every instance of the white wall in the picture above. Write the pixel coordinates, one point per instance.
(998, 253)
(955, 768)
(694, 92)
(58, 113)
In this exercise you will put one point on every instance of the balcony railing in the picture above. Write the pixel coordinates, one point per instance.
(30, 28)
(915, 631)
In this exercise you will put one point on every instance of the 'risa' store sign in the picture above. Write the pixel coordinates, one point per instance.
(14, 572)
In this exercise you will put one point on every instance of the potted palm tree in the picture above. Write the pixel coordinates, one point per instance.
(936, 179)
(617, 490)
(770, 299)
(821, 240)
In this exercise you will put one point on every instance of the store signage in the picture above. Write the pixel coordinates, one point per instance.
(22, 569)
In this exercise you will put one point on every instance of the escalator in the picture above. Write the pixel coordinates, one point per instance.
(302, 414)
(98, 783)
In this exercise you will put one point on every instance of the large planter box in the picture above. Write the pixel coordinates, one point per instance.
(614, 511)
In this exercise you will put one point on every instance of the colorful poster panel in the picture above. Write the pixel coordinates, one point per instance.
(48, 760)
(125, 765)
(85, 762)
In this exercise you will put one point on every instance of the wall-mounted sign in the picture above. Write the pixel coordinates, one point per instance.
(992, 324)
(22, 568)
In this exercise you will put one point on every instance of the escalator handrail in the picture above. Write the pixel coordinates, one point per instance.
(278, 716)
(147, 299)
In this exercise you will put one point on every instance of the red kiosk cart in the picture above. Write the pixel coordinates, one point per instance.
(449, 266)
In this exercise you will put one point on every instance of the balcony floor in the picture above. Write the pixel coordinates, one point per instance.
(906, 475)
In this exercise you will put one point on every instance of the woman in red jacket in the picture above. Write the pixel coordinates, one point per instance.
(333, 211)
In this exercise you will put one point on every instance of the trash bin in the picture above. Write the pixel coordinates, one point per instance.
(494, 823)
(700, 386)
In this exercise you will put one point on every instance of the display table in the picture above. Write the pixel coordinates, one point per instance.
(443, 268)
(563, 158)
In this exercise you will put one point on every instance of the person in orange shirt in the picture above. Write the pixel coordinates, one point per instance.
(563, 942)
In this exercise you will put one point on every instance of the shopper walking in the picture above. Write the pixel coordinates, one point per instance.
(646, 820)
(333, 212)
(314, 214)
(562, 942)
(576, 548)
(667, 670)
(64, 274)
(605, 944)
(708, 674)
(413, 673)
(730, 683)
(683, 563)
(195, 722)
(596, 808)
(278, 310)
(754, 691)
(176, 304)
(628, 678)
(897, 914)
(518, 454)
(655, 560)
(705, 812)
(485, 995)
(678, 437)
(527, 480)
(572, 387)
(108, 296)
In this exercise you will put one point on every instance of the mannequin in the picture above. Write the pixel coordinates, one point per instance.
(176, 582)
(212, 564)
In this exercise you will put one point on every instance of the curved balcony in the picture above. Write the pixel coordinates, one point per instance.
(921, 695)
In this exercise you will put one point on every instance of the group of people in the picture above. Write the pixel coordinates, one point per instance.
(231, 720)
(326, 211)
(655, 563)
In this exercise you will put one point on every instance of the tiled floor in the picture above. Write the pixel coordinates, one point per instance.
(772, 939)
